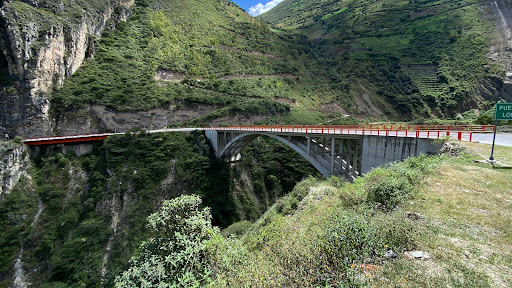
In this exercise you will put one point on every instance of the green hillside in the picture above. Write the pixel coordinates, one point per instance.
(317, 61)
(322, 60)
(189, 39)
(208, 51)
(424, 56)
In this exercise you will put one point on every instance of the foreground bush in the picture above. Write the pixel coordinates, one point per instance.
(350, 238)
(176, 256)
(387, 187)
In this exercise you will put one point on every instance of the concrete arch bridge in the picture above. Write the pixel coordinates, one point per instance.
(347, 150)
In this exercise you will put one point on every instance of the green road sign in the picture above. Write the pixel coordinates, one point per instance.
(503, 111)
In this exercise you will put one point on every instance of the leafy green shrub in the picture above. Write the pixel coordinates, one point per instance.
(229, 261)
(387, 188)
(350, 238)
(259, 107)
(18, 140)
(176, 255)
(289, 203)
(397, 231)
(237, 228)
(337, 181)
(485, 119)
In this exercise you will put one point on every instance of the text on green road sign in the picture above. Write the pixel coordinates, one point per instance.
(503, 111)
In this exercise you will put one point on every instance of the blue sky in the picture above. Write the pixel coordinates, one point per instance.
(256, 7)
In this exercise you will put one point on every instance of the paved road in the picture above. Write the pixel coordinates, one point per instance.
(503, 139)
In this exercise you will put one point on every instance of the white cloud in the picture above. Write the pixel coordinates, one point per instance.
(262, 8)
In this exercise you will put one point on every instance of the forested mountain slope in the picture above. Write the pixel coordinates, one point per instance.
(180, 55)
(201, 63)
(204, 61)
(208, 63)
(431, 57)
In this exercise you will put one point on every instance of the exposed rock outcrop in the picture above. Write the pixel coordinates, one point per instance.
(41, 49)
(100, 118)
(14, 161)
(501, 87)
(500, 49)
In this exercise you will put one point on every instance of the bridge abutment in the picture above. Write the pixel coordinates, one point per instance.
(381, 150)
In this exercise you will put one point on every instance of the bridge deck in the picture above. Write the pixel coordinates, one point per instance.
(67, 139)
(461, 132)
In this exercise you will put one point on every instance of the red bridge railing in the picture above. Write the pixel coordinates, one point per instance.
(374, 127)
(461, 132)
(67, 139)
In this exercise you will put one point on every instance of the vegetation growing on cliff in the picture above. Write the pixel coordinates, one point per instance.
(102, 199)
(168, 53)
(52, 13)
(399, 59)
(205, 52)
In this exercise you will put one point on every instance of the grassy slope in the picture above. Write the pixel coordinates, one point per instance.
(468, 207)
(459, 214)
(423, 56)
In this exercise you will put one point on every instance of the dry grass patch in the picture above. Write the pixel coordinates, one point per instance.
(473, 195)
(468, 207)
(482, 151)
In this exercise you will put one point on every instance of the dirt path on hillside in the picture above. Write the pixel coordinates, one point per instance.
(174, 76)
(247, 76)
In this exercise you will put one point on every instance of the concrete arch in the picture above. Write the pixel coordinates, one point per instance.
(231, 152)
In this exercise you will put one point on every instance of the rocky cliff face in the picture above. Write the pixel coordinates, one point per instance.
(43, 43)
(500, 49)
(14, 161)
(503, 36)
